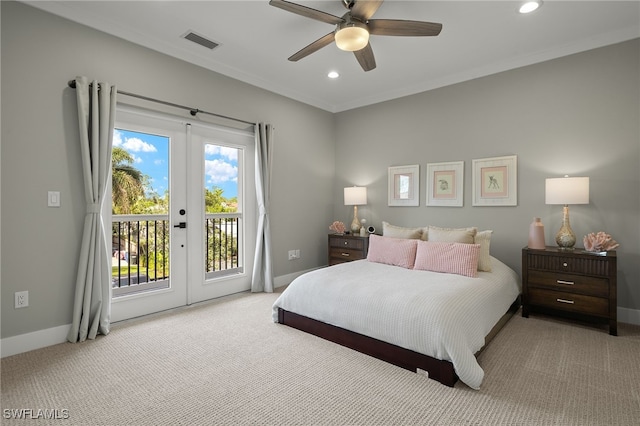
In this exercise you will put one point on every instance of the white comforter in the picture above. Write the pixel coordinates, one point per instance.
(445, 316)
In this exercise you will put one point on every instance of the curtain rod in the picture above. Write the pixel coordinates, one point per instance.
(192, 111)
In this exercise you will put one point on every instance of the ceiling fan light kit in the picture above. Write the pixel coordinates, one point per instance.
(354, 27)
(352, 36)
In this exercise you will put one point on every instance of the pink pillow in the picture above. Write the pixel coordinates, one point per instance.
(392, 251)
(451, 258)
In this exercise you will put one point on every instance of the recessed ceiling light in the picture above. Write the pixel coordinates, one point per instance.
(530, 6)
(333, 74)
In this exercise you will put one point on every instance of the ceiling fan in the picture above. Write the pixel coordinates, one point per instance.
(354, 27)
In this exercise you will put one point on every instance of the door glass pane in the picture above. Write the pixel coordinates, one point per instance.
(223, 210)
(140, 207)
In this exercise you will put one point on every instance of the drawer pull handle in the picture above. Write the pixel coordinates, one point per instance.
(565, 264)
(571, 302)
(344, 254)
(565, 282)
(346, 243)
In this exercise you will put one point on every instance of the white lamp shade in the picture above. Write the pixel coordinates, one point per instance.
(567, 190)
(355, 196)
(352, 38)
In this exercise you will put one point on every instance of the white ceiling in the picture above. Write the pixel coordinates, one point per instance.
(478, 38)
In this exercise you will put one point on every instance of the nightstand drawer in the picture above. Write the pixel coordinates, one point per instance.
(346, 248)
(588, 265)
(570, 302)
(592, 286)
(346, 254)
(346, 243)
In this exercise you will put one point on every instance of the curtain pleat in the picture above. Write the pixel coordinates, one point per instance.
(92, 303)
(262, 278)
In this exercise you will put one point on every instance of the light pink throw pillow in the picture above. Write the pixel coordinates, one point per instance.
(451, 258)
(392, 251)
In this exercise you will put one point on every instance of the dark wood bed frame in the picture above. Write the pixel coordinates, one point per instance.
(439, 370)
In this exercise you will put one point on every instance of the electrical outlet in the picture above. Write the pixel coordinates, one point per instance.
(294, 254)
(22, 299)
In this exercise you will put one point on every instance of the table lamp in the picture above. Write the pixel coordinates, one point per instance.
(355, 196)
(565, 191)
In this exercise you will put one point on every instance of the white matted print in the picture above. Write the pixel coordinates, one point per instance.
(495, 181)
(445, 183)
(404, 186)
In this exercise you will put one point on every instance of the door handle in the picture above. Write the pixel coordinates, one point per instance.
(181, 225)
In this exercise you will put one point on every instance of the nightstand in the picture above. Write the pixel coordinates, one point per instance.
(346, 248)
(574, 283)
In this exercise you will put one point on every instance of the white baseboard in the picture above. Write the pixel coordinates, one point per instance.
(629, 316)
(35, 340)
(283, 280)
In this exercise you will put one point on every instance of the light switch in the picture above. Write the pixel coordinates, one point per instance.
(54, 199)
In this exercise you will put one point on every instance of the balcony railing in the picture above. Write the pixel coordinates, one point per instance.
(140, 250)
(222, 235)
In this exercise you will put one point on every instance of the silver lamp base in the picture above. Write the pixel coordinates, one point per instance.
(355, 224)
(565, 238)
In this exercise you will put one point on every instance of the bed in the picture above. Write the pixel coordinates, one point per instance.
(421, 320)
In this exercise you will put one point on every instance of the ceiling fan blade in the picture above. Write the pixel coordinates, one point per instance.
(364, 9)
(365, 58)
(306, 11)
(313, 47)
(398, 27)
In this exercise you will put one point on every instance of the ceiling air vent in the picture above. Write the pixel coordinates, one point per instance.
(202, 41)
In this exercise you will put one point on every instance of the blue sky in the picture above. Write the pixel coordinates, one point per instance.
(151, 157)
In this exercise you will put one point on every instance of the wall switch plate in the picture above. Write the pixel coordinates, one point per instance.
(22, 299)
(53, 199)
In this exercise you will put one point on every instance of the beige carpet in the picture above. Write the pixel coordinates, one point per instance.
(226, 363)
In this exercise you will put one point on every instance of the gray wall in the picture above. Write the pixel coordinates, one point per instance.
(40, 152)
(577, 115)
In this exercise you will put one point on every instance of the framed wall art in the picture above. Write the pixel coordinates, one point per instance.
(404, 184)
(495, 181)
(445, 183)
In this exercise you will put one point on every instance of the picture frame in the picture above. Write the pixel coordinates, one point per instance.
(404, 185)
(445, 184)
(495, 181)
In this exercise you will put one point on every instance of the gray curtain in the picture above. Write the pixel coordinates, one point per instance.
(92, 305)
(262, 278)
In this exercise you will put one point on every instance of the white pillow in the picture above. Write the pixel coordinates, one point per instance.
(452, 235)
(484, 239)
(389, 230)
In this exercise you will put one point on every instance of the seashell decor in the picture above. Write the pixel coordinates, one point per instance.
(337, 227)
(600, 241)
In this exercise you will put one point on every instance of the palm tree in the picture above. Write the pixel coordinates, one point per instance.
(127, 181)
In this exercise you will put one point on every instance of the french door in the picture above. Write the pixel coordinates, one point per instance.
(188, 234)
(222, 244)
